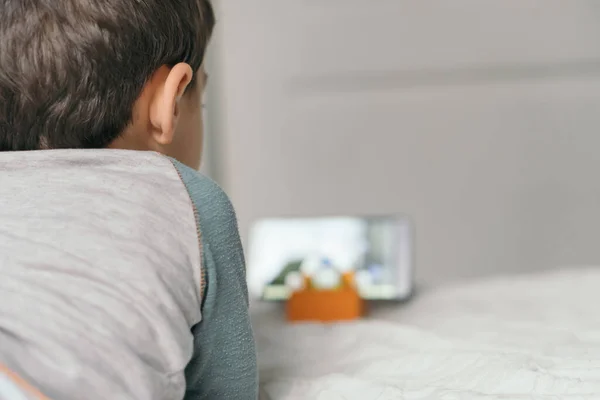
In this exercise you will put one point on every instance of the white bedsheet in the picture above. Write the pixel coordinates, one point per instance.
(527, 337)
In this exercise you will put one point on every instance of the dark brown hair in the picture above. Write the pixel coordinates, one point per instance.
(71, 70)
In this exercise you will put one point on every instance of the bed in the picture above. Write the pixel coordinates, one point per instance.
(519, 337)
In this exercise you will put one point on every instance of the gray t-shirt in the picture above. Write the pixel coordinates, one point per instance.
(121, 277)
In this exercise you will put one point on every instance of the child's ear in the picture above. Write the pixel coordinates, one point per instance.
(164, 110)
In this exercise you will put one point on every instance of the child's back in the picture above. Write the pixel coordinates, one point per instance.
(122, 273)
(100, 288)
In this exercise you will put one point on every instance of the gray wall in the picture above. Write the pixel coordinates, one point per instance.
(478, 118)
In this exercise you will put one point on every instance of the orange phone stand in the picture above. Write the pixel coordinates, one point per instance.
(341, 304)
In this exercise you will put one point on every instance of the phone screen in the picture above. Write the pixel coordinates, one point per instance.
(377, 251)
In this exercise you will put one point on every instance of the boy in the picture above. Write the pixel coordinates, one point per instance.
(121, 269)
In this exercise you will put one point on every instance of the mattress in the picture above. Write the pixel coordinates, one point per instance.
(519, 337)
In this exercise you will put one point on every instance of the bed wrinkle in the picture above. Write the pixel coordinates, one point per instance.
(464, 341)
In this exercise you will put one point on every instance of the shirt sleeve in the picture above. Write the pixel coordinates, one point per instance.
(224, 364)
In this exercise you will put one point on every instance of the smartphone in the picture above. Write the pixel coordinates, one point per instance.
(378, 251)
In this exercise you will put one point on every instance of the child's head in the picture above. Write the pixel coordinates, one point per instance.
(110, 73)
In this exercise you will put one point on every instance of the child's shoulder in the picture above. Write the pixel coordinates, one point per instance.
(214, 209)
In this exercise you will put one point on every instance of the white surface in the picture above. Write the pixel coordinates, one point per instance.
(528, 337)
(478, 118)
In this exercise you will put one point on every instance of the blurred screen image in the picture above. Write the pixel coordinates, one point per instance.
(376, 250)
